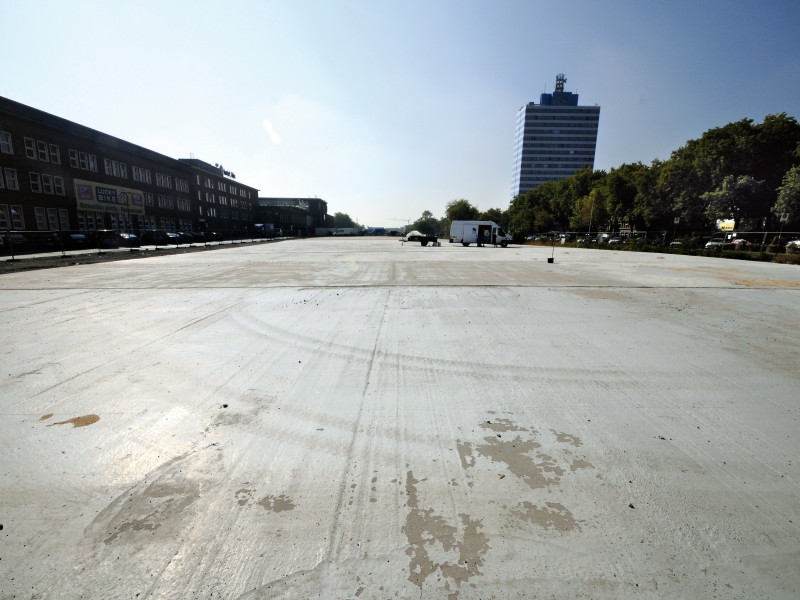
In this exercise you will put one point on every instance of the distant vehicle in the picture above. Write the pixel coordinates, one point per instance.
(714, 245)
(184, 237)
(74, 240)
(478, 232)
(158, 237)
(129, 240)
(376, 231)
(423, 239)
(12, 240)
(793, 247)
(741, 244)
(104, 238)
(347, 231)
(616, 241)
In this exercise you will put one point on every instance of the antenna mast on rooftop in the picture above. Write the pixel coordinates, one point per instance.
(561, 79)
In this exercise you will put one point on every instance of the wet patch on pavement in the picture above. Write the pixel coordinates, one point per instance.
(522, 455)
(552, 515)
(277, 503)
(77, 421)
(439, 549)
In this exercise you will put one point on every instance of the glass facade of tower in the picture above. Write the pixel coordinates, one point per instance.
(553, 140)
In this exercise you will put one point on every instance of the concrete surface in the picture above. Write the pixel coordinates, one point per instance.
(353, 418)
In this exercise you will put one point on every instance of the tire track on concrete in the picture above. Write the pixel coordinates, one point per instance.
(126, 354)
(334, 547)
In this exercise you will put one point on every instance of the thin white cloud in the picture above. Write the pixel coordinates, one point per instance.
(273, 135)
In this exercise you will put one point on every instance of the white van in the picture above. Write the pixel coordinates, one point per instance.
(483, 233)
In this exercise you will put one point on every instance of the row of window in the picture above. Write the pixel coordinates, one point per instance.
(82, 160)
(42, 183)
(45, 152)
(222, 186)
(54, 185)
(15, 220)
(560, 110)
(40, 150)
(559, 138)
(51, 218)
(171, 203)
(530, 154)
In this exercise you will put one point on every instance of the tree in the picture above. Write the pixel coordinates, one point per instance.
(589, 212)
(461, 210)
(789, 196)
(341, 220)
(427, 224)
(497, 215)
(737, 198)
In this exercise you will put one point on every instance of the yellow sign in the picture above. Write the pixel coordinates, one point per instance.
(725, 225)
(103, 197)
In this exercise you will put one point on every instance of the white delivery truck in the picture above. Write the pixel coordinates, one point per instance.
(483, 233)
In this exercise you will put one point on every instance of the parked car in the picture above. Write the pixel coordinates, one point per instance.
(104, 238)
(184, 237)
(129, 240)
(74, 240)
(616, 241)
(12, 240)
(793, 247)
(158, 237)
(741, 244)
(714, 245)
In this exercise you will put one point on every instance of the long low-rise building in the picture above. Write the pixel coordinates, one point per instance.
(58, 175)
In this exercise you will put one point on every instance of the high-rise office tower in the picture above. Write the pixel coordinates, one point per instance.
(554, 139)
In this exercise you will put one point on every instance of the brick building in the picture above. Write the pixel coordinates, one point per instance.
(59, 175)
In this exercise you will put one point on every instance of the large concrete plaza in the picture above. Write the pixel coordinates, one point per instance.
(356, 418)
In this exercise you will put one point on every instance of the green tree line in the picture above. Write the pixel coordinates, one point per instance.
(745, 171)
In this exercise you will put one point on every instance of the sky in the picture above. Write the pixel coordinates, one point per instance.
(386, 109)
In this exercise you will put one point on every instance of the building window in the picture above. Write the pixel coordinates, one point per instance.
(148, 199)
(163, 180)
(141, 175)
(6, 147)
(116, 168)
(58, 184)
(73, 158)
(12, 183)
(17, 218)
(30, 148)
(4, 222)
(52, 218)
(36, 182)
(63, 218)
(41, 218)
(41, 151)
(47, 184)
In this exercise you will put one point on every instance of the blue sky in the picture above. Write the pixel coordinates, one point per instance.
(389, 108)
